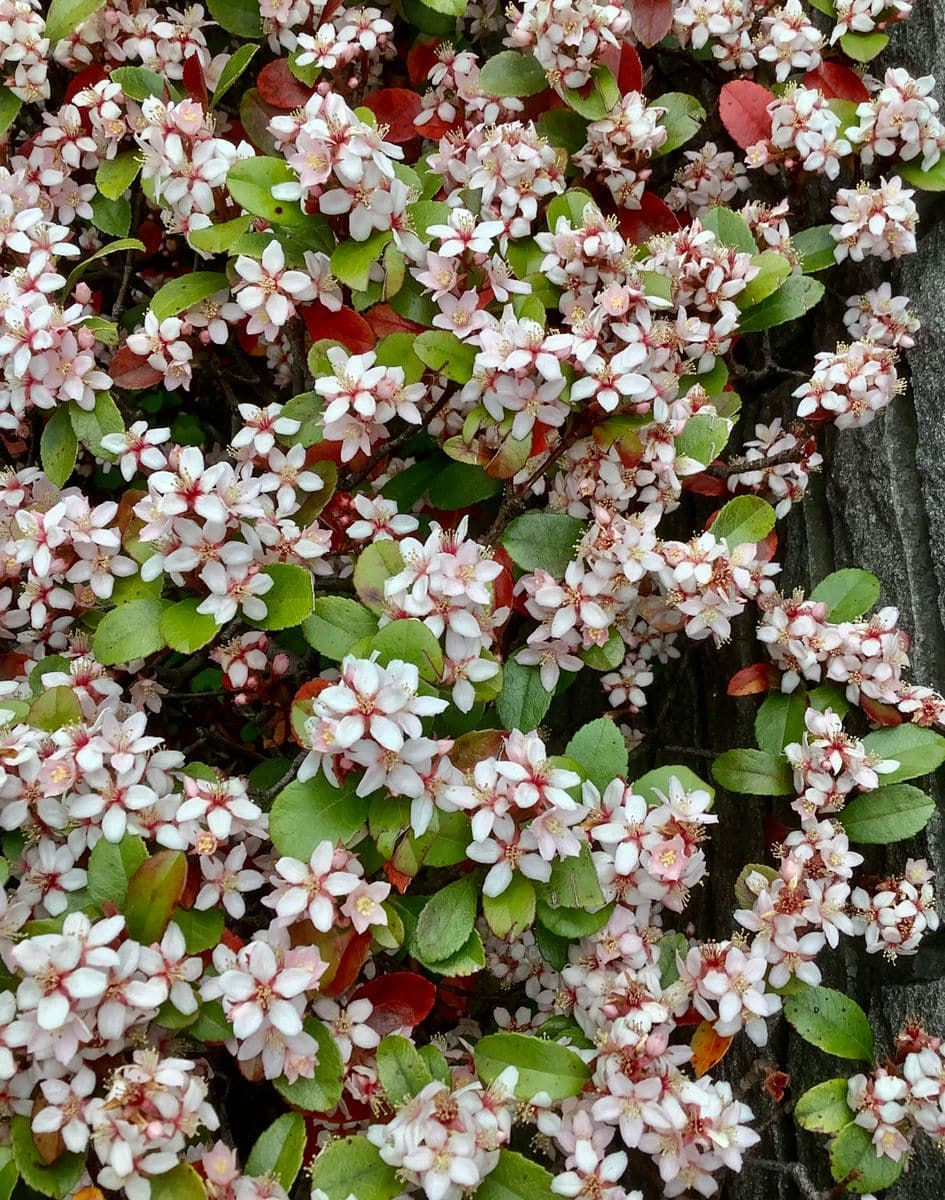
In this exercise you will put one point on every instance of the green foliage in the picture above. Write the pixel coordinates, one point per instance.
(753, 772)
(278, 1150)
(746, 520)
(523, 700)
(515, 1177)
(447, 920)
(543, 539)
(291, 598)
(153, 893)
(600, 751)
(542, 1066)
(824, 1108)
(848, 594)
(336, 624)
(353, 1166)
(917, 750)
(889, 814)
(56, 1179)
(111, 867)
(401, 1069)
(305, 814)
(128, 632)
(854, 1162)
(512, 73)
(58, 447)
(832, 1022)
(780, 720)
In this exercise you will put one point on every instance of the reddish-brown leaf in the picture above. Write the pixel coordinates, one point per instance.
(708, 1048)
(345, 326)
(882, 714)
(629, 71)
(400, 879)
(131, 371)
(85, 79)
(401, 1000)
(279, 88)
(652, 20)
(776, 1083)
(471, 748)
(743, 107)
(194, 80)
(652, 217)
(421, 58)
(704, 484)
(353, 956)
(837, 82)
(397, 108)
(752, 681)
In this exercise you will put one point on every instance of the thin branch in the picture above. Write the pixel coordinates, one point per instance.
(744, 466)
(272, 792)
(795, 1172)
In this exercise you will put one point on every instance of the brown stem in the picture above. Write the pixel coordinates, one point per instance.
(743, 466)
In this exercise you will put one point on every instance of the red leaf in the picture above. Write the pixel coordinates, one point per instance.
(630, 71)
(751, 681)
(653, 216)
(776, 1083)
(774, 829)
(436, 128)
(345, 326)
(837, 82)
(400, 999)
(353, 957)
(279, 88)
(652, 20)
(397, 108)
(421, 59)
(384, 320)
(131, 371)
(743, 107)
(704, 485)
(85, 79)
(882, 714)
(399, 879)
(194, 81)
(708, 1048)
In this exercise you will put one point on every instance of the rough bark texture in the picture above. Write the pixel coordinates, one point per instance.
(880, 504)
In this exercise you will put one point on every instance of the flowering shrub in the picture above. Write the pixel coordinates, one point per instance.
(371, 409)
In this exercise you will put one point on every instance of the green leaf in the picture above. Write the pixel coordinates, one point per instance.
(832, 1022)
(853, 1158)
(658, 779)
(599, 100)
(336, 624)
(237, 16)
(746, 520)
(211, 1025)
(848, 594)
(65, 16)
(305, 814)
(352, 261)
(573, 883)
(424, 18)
(250, 182)
(511, 913)
(352, 1166)
(279, 1149)
(572, 923)
(447, 919)
(682, 120)
(180, 1183)
(753, 772)
(469, 959)
(932, 180)
(201, 928)
(401, 1070)
(824, 1108)
(58, 447)
(55, 708)
(115, 175)
(816, 247)
(234, 68)
(730, 229)
(186, 630)
(322, 1091)
(9, 1175)
(704, 436)
(138, 83)
(780, 720)
(57, 1179)
(436, 1062)
(543, 539)
(186, 291)
(216, 239)
(153, 893)
(609, 656)
(410, 641)
(793, 298)
(600, 751)
(111, 248)
(444, 352)
(523, 700)
(461, 485)
(376, 564)
(10, 106)
(111, 867)
(890, 814)
(291, 598)
(128, 632)
(773, 269)
(542, 1066)
(90, 425)
(863, 48)
(111, 216)
(563, 127)
(671, 945)
(515, 1177)
(512, 73)
(918, 751)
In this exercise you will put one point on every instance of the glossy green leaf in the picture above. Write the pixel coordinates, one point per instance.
(444, 352)
(780, 720)
(600, 751)
(796, 296)
(352, 1166)
(278, 1150)
(336, 624)
(128, 632)
(153, 893)
(56, 1179)
(186, 630)
(919, 751)
(512, 73)
(234, 68)
(746, 520)
(511, 913)
(111, 867)
(854, 1162)
(447, 919)
(848, 594)
(401, 1070)
(523, 701)
(753, 772)
(58, 447)
(542, 1066)
(291, 598)
(237, 16)
(596, 103)
(824, 1108)
(115, 175)
(890, 814)
(186, 291)
(305, 814)
(63, 17)
(543, 539)
(682, 120)
(831, 1021)
(461, 485)
(515, 1177)
(250, 182)
(375, 565)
